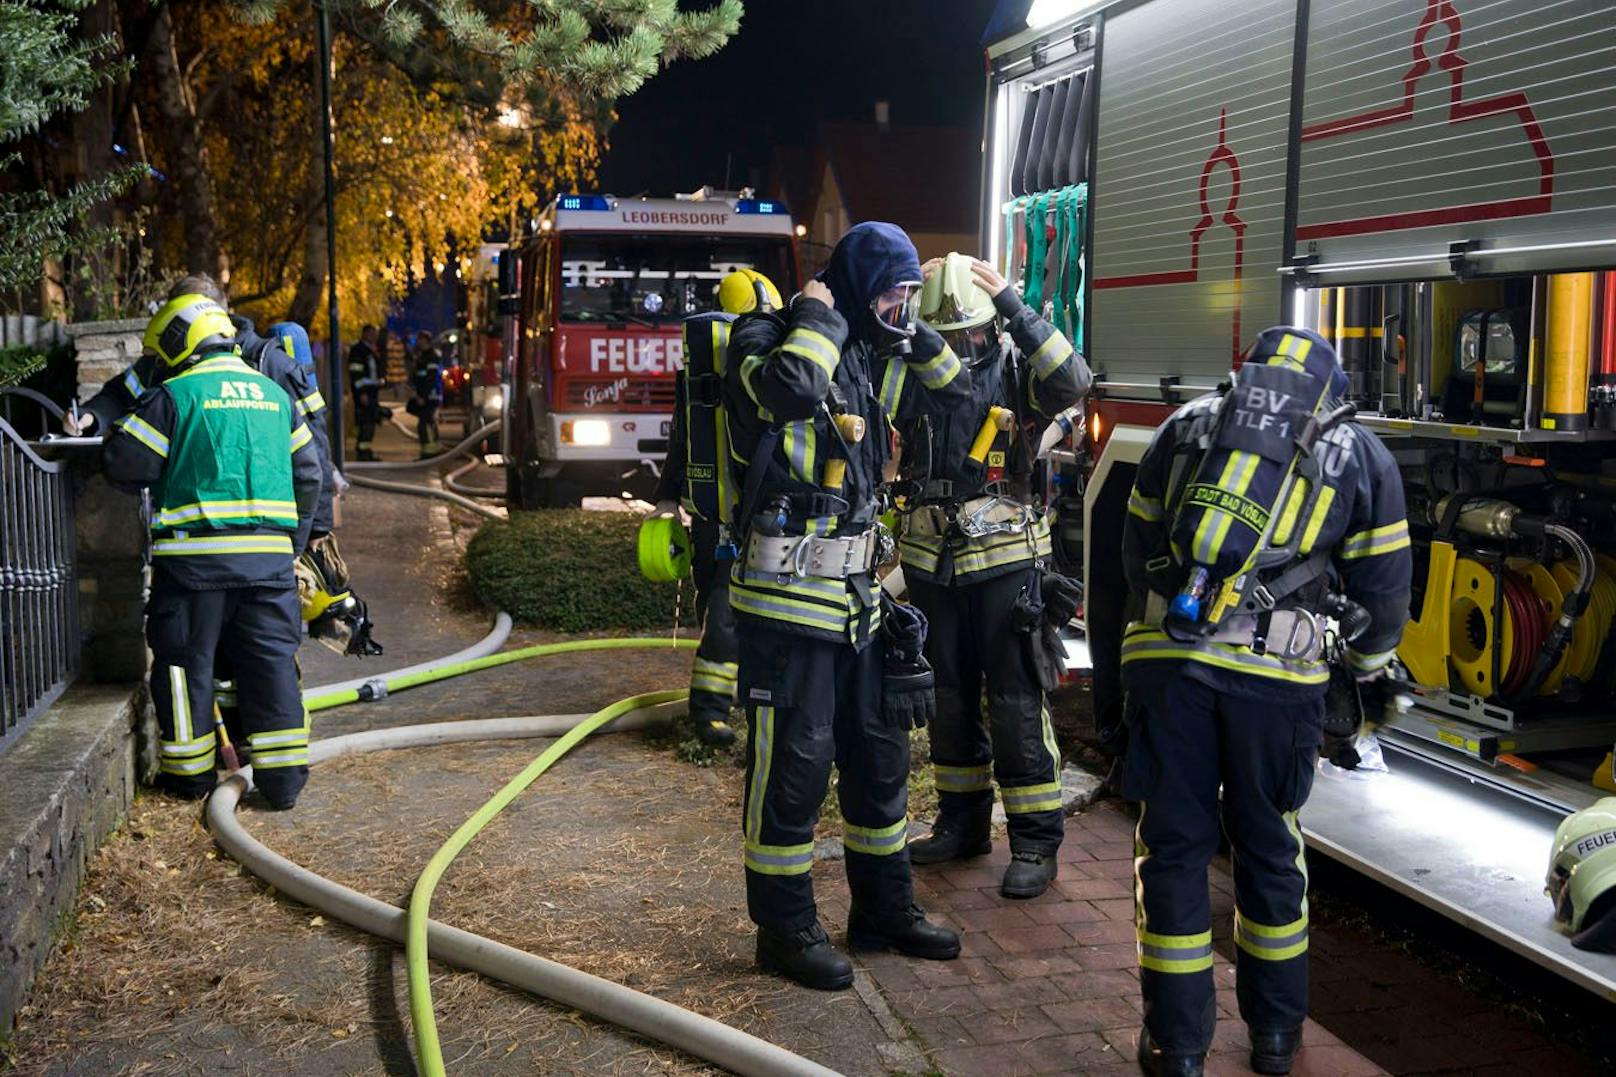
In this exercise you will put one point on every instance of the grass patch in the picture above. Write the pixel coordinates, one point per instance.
(572, 570)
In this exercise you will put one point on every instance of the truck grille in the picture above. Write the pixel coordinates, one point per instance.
(616, 394)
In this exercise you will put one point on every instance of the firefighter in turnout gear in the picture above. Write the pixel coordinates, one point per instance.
(695, 474)
(973, 551)
(365, 379)
(808, 445)
(1312, 506)
(234, 480)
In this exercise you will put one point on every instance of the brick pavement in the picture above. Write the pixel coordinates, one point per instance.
(1051, 985)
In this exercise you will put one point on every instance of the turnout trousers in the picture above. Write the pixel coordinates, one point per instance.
(712, 677)
(1191, 738)
(812, 704)
(970, 643)
(367, 406)
(254, 632)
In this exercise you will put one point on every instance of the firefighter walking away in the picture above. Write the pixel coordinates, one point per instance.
(1254, 512)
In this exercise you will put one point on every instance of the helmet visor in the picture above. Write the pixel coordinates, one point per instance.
(898, 308)
(974, 346)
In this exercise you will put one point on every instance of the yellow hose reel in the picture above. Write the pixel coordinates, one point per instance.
(664, 550)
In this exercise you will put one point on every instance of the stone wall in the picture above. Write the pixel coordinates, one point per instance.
(104, 349)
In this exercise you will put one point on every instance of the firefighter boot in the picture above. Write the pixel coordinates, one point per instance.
(805, 956)
(1028, 875)
(906, 931)
(954, 836)
(712, 730)
(1158, 1063)
(1274, 1051)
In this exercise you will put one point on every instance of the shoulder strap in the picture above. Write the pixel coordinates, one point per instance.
(762, 453)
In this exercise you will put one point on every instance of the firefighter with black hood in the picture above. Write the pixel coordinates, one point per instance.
(821, 687)
(1263, 522)
(234, 479)
(695, 475)
(973, 552)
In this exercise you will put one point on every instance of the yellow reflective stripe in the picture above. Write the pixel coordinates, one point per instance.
(1315, 524)
(1293, 509)
(145, 433)
(877, 841)
(780, 608)
(1174, 954)
(174, 749)
(749, 367)
(892, 384)
(1292, 351)
(1378, 540)
(799, 444)
(1022, 799)
(301, 436)
(132, 383)
(779, 859)
(187, 767)
(222, 545)
(1368, 662)
(1148, 509)
(215, 510)
(950, 779)
(815, 346)
(180, 704)
(1145, 642)
(209, 366)
(312, 403)
(278, 737)
(1201, 543)
(1245, 469)
(762, 760)
(1270, 943)
(1054, 351)
(832, 591)
(295, 758)
(939, 370)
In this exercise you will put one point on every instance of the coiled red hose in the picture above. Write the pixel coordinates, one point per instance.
(1529, 615)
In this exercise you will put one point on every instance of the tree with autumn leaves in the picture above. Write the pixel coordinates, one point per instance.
(453, 120)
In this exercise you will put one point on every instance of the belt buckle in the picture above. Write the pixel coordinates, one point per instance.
(1298, 618)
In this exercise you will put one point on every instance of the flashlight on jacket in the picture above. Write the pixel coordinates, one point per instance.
(1184, 612)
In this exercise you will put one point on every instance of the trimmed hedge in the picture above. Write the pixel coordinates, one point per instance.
(571, 570)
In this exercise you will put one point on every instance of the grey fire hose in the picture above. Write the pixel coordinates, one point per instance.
(461, 449)
(701, 1036)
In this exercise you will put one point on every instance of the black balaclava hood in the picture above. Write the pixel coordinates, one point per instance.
(870, 258)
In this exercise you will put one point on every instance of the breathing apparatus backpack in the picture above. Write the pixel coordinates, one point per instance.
(1256, 469)
(707, 487)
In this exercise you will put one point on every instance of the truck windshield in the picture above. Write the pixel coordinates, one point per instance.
(651, 279)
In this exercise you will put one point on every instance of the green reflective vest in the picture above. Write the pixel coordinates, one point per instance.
(228, 467)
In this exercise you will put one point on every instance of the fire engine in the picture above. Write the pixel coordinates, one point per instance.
(603, 288)
(1426, 183)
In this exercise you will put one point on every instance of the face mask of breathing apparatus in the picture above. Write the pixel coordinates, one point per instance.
(894, 314)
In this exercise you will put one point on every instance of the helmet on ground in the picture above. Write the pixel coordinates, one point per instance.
(746, 290)
(959, 308)
(188, 327)
(335, 615)
(1582, 876)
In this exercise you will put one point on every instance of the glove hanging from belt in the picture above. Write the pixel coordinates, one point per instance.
(908, 687)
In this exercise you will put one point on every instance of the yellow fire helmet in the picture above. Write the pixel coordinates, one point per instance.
(1582, 876)
(952, 299)
(187, 327)
(335, 616)
(746, 290)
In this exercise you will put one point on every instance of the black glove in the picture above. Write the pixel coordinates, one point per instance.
(908, 687)
(1343, 717)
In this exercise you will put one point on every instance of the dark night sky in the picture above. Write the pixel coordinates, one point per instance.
(794, 64)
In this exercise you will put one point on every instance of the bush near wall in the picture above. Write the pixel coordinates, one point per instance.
(571, 570)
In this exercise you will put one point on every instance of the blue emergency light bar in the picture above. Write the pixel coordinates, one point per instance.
(755, 205)
(582, 201)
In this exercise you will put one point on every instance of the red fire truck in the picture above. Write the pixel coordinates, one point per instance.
(1427, 184)
(604, 285)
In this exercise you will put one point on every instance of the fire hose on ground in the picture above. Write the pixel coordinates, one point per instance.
(424, 938)
(351, 470)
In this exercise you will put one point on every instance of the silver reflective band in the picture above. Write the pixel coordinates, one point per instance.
(812, 555)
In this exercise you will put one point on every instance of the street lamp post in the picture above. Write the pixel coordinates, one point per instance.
(334, 334)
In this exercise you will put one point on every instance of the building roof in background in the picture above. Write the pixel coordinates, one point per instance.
(925, 179)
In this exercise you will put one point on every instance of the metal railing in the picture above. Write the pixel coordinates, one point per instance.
(39, 602)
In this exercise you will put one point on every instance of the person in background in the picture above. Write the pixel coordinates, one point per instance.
(365, 381)
(426, 379)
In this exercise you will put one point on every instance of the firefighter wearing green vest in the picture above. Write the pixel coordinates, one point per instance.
(694, 475)
(234, 479)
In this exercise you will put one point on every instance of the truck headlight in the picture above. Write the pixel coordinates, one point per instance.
(586, 432)
(493, 402)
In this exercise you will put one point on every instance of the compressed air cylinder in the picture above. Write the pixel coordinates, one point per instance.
(997, 419)
(1569, 333)
(1357, 336)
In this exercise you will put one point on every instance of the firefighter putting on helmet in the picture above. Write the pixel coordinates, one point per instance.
(1254, 512)
(821, 683)
(973, 550)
